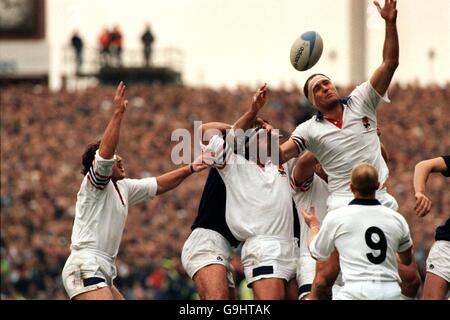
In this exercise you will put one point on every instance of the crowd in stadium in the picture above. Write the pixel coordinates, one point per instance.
(44, 135)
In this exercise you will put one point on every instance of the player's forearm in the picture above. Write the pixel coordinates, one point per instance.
(313, 231)
(171, 180)
(421, 173)
(111, 136)
(304, 168)
(245, 120)
(391, 47)
(287, 151)
(320, 291)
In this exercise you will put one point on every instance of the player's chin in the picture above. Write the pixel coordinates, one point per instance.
(332, 101)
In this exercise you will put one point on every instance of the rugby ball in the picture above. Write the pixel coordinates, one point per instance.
(306, 50)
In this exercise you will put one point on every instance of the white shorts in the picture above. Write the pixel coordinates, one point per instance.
(438, 261)
(336, 201)
(369, 290)
(87, 270)
(306, 270)
(269, 257)
(205, 247)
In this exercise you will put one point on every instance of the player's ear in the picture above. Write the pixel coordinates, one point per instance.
(378, 185)
(352, 188)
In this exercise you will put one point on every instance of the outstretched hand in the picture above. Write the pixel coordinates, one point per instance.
(389, 11)
(259, 99)
(264, 124)
(310, 218)
(120, 102)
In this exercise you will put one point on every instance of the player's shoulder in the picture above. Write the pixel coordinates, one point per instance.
(308, 123)
(338, 214)
(392, 214)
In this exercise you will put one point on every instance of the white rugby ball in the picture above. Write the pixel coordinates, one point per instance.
(306, 50)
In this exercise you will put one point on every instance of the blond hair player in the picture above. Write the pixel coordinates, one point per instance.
(367, 236)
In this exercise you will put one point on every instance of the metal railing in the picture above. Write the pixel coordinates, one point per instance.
(131, 58)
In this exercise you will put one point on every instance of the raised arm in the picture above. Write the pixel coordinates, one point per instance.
(382, 76)
(421, 173)
(259, 100)
(288, 150)
(312, 222)
(406, 257)
(111, 136)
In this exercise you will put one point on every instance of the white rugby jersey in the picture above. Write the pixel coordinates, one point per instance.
(314, 195)
(367, 236)
(258, 199)
(338, 150)
(102, 207)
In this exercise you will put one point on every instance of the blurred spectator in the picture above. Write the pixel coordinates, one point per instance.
(117, 45)
(39, 183)
(105, 47)
(147, 41)
(77, 45)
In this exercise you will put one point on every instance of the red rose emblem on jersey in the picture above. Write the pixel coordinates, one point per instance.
(281, 171)
(366, 123)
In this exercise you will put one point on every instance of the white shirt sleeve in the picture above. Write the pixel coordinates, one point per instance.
(367, 98)
(300, 137)
(405, 241)
(303, 187)
(100, 172)
(140, 189)
(323, 244)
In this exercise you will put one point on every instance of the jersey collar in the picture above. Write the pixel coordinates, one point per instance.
(365, 202)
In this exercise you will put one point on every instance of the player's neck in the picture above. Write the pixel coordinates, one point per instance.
(363, 197)
(334, 111)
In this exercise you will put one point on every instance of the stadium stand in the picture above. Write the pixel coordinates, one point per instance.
(43, 135)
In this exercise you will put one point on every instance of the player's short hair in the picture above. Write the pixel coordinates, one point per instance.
(89, 156)
(364, 179)
(305, 87)
(255, 127)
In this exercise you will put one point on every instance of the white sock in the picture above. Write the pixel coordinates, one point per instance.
(403, 297)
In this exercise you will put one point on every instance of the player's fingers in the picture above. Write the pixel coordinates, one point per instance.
(421, 207)
(305, 213)
(419, 212)
(418, 203)
(377, 5)
(422, 212)
(264, 94)
(425, 207)
(116, 95)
